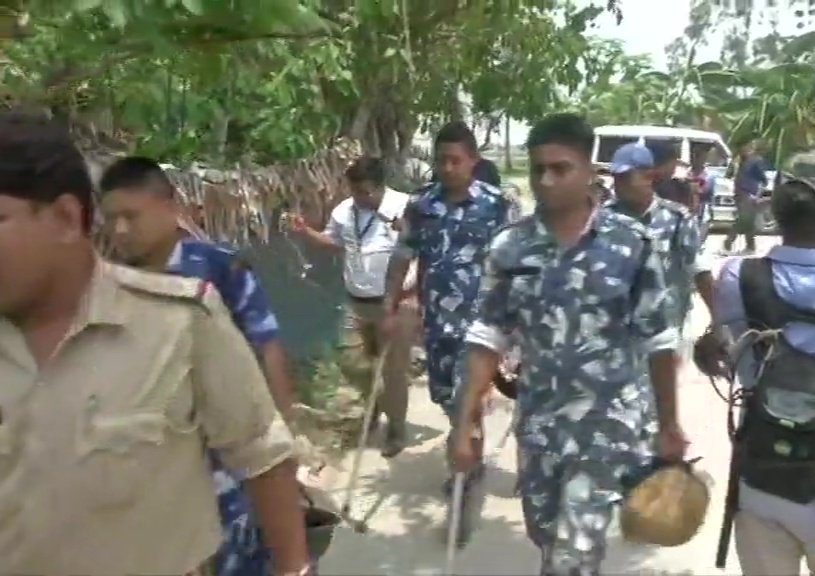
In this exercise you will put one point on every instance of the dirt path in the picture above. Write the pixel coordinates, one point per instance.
(405, 533)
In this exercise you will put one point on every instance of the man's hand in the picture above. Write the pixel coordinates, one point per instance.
(464, 455)
(711, 355)
(296, 223)
(672, 443)
(275, 495)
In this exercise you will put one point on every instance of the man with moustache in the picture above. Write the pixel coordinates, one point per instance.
(116, 385)
(580, 288)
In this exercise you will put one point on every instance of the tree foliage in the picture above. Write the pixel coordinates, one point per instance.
(265, 80)
(761, 89)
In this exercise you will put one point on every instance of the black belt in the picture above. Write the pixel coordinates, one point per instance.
(367, 299)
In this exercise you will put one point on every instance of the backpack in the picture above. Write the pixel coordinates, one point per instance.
(776, 441)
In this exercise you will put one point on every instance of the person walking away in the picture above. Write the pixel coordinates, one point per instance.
(749, 183)
(447, 227)
(360, 228)
(581, 288)
(116, 383)
(141, 211)
(676, 241)
(775, 517)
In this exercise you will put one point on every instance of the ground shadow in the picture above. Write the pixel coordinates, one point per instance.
(415, 434)
(410, 501)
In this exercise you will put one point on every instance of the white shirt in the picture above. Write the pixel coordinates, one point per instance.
(369, 240)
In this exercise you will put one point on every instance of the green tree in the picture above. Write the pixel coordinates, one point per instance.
(263, 81)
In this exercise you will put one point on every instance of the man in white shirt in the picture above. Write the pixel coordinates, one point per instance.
(361, 227)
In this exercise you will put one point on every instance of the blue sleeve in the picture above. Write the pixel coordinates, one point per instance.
(249, 306)
(757, 172)
(408, 241)
(495, 319)
(649, 299)
(728, 307)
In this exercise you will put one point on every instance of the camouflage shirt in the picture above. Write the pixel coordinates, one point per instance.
(677, 240)
(450, 243)
(578, 315)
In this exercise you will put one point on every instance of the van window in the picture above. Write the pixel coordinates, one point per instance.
(676, 143)
(607, 146)
(715, 153)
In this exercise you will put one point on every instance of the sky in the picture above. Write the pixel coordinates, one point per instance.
(647, 26)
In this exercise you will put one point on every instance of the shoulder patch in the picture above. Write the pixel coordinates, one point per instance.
(424, 189)
(490, 189)
(192, 290)
(675, 207)
(617, 223)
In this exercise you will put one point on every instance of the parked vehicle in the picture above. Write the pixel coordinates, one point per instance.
(723, 207)
(608, 138)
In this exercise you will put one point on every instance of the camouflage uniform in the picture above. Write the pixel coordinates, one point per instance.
(450, 243)
(677, 240)
(242, 552)
(579, 315)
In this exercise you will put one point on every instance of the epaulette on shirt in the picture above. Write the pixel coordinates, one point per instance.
(680, 209)
(616, 222)
(424, 189)
(490, 189)
(192, 290)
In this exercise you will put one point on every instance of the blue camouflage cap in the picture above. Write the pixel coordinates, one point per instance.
(631, 157)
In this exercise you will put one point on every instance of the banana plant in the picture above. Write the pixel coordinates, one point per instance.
(776, 105)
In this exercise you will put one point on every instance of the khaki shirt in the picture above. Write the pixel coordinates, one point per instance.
(103, 468)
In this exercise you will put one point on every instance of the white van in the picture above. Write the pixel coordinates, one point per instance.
(608, 138)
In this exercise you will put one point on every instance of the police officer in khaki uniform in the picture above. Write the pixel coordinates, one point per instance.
(115, 383)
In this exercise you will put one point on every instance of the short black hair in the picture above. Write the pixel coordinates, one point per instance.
(39, 162)
(457, 133)
(366, 169)
(135, 172)
(564, 129)
(663, 151)
(793, 205)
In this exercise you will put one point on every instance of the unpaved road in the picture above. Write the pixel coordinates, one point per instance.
(405, 536)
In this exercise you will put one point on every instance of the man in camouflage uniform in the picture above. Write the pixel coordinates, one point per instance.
(580, 288)
(447, 227)
(675, 234)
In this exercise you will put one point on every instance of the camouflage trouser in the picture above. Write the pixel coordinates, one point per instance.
(445, 358)
(569, 490)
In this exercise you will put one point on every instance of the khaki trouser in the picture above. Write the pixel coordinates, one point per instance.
(361, 344)
(746, 213)
(766, 548)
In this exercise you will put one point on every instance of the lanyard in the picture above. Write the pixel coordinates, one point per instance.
(360, 234)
